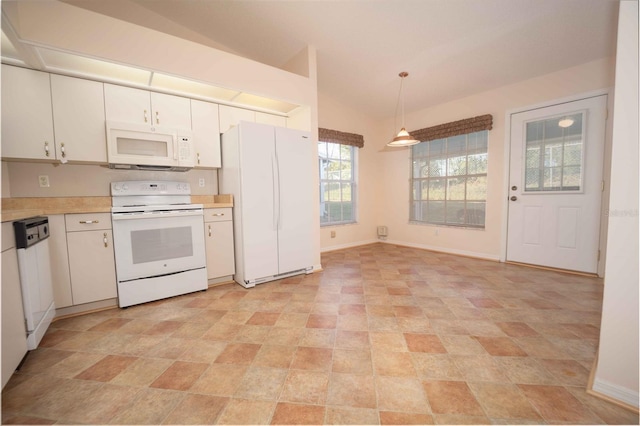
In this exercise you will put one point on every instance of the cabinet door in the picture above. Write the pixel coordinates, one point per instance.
(206, 133)
(78, 115)
(127, 104)
(170, 111)
(60, 277)
(92, 266)
(231, 116)
(219, 248)
(295, 154)
(273, 120)
(27, 118)
(14, 334)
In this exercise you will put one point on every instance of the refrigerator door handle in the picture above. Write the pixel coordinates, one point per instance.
(277, 188)
(274, 180)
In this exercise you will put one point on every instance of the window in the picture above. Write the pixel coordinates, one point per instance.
(554, 154)
(449, 180)
(337, 183)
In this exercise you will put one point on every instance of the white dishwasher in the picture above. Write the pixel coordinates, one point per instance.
(34, 265)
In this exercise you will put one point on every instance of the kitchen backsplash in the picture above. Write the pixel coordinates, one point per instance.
(75, 180)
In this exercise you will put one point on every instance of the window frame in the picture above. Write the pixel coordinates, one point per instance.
(469, 215)
(353, 182)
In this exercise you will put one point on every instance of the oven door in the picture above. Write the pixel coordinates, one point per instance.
(154, 244)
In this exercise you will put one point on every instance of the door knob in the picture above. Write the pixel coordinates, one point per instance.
(513, 198)
(513, 188)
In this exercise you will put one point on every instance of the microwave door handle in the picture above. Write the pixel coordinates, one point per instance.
(175, 147)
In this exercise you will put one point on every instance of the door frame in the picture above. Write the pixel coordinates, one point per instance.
(606, 167)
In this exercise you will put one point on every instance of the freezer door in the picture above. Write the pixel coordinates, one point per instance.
(297, 195)
(258, 175)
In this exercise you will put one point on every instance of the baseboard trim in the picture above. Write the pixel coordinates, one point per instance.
(349, 245)
(464, 253)
(618, 395)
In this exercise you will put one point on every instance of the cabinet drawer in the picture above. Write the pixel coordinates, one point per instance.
(217, 215)
(87, 221)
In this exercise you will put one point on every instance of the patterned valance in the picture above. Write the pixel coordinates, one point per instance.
(344, 138)
(460, 127)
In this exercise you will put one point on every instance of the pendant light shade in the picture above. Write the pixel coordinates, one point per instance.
(403, 138)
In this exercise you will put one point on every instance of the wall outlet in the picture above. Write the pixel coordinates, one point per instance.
(333, 234)
(43, 180)
(201, 182)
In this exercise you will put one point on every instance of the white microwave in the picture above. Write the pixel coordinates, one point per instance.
(145, 147)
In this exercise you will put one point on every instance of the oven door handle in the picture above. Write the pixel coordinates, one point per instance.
(155, 215)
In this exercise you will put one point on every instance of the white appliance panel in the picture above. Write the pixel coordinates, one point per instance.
(156, 245)
(259, 222)
(294, 152)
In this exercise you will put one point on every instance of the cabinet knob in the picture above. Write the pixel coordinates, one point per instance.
(104, 240)
(146, 119)
(157, 117)
(64, 154)
(198, 155)
(88, 221)
(46, 148)
(209, 230)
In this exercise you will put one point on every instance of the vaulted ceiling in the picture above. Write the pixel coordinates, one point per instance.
(451, 48)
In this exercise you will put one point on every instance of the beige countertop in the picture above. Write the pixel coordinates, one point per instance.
(20, 208)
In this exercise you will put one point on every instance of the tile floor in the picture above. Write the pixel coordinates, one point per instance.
(384, 335)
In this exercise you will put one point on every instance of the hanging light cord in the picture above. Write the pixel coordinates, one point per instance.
(402, 75)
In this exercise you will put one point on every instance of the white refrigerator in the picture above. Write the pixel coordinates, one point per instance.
(269, 171)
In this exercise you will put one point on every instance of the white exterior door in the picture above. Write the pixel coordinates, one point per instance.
(555, 185)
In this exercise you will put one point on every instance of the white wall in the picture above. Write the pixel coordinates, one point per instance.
(617, 371)
(336, 116)
(393, 192)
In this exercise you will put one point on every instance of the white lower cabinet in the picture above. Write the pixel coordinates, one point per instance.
(14, 333)
(91, 259)
(218, 233)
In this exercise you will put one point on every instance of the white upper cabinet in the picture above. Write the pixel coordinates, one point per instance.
(231, 116)
(78, 114)
(27, 118)
(143, 107)
(171, 111)
(270, 119)
(206, 133)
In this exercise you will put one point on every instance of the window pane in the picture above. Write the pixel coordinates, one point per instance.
(335, 212)
(477, 164)
(345, 152)
(456, 189)
(333, 191)
(438, 167)
(420, 168)
(457, 145)
(455, 212)
(347, 211)
(477, 142)
(475, 213)
(532, 179)
(346, 192)
(322, 149)
(457, 166)
(477, 188)
(437, 147)
(437, 189)
(571, 177)
(552, 177)
(533, 156)
(333, 150)
(345, 170)
(572, 154)
(435, 211)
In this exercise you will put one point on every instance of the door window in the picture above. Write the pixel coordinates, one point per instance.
(554, 154)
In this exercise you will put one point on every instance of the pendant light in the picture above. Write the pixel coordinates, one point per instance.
(403, 138)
